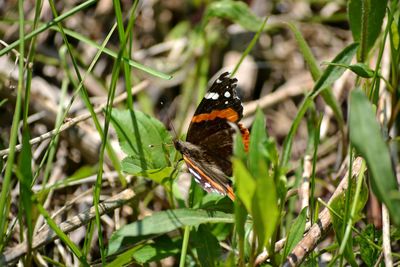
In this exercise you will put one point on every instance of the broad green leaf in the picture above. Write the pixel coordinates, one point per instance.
(366, 137)
(144, 139)
(295, 233)
(207, 246)
(163, 222)
(129, 165)
(235, 11)
(366, 18)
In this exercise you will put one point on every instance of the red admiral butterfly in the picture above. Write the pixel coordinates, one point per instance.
(209, 141)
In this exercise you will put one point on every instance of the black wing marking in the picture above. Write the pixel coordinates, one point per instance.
(221, 95)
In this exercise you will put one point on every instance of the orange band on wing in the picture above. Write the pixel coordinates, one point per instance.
(245, 136)
(228, 190)
(229, 114)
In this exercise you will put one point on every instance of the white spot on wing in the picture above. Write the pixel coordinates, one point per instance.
(218, 81)
(227, 94)
(226, 102)
(207, 185)
(211, 95)
(197, 177)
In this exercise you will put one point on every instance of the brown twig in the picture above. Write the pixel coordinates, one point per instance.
(321, 227)
(47, 235)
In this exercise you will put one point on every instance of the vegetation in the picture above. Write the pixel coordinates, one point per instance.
(92, 96)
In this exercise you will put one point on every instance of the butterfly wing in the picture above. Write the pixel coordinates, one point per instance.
(209, 143)
(211, 127)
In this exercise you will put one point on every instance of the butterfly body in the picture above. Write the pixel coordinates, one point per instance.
(208, 147)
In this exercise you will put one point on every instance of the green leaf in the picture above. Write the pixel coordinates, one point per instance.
(265, 206)
(366, 137)
(395, 35)
(295, 233)
(130, 165)
(235, 11)
(369, 254)
(143, 139)
(245, 183)
(163, 222)
(257, 150)
(159, 248)
(26, 178)
(207, 246)
(366, 18)
(332, 73)
(362, 70)
(255, 186)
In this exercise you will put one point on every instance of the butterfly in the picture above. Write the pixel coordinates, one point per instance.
(208, 148)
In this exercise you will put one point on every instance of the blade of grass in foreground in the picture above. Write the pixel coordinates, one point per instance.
(108, 109)
(366, 137)
(14, 129)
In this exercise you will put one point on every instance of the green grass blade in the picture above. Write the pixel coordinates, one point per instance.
(332, 73)
(366, 18)
(295, 233)
(77, 252)
(14, 129)
(185, 244)
(366, 137)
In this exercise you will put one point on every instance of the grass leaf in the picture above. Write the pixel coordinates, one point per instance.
(295, 233)
(332, 73)
(366, 18)
(366, 137)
